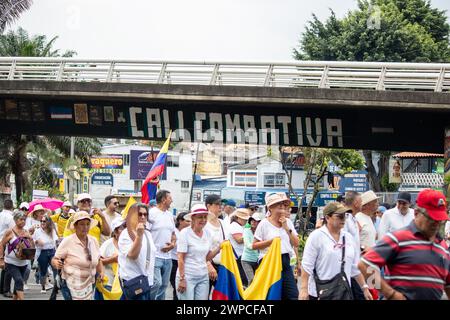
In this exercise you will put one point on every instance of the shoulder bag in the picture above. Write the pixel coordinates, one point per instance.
(337, 288)
(138, 285)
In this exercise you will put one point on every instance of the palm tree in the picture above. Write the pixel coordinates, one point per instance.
(20, 44)
(29, 157)
(10, 11)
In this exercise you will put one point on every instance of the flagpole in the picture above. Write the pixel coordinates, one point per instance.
(193, 176)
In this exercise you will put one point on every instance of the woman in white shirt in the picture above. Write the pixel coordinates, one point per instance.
(45, 239)
(323, 254)
(238, 219)
(136, 253)
(181, 222)
(218, 231)
(194, 250)
(277, 226)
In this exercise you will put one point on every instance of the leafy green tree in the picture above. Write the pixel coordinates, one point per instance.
(383, 31)
(10, 10)
(29, 157)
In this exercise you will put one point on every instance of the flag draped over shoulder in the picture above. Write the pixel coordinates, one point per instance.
(148, 189)
(115, 293)
(266, 284)
(228, 285)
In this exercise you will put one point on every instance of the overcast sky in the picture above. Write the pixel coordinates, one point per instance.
(219, 30)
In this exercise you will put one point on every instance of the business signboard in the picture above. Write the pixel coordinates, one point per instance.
(105, 179)
(141, 162)
(106, 161)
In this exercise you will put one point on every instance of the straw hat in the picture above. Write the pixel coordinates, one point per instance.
(36, 208)
(82, 215)
(277, 197)
(368, 196)
(242, 213)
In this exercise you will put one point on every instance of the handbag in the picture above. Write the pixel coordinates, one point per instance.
(337, 288)
(138, 285)
(23, 247)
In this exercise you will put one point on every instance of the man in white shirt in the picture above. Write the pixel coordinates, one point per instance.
(353, 201)
(162, 228)
(369, 206)
(398, 217)
(6, 222)
(110, 213)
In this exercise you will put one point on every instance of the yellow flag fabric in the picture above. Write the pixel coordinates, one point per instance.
(266, 284)
(130, 202)
(116, 291)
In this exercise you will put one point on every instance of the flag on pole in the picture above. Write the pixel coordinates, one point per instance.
(130, 202)
(148, 189)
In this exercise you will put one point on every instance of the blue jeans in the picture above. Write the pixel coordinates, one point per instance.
(197, 288)
(44, 259)
(161, 278)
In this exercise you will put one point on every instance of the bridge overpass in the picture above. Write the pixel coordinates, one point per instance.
(363, 105)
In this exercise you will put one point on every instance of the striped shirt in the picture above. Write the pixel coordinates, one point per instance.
(414, 266)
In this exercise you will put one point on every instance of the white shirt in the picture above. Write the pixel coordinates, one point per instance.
(447, 231)
(324, 254)
(107, 250)
(226, 220)
(6, 222)
(173, 252)
(49, 241)
(392, 220)
(196, 249)
(109, 218)
(267, 231)
(218, 234)
(236, 228)
(129, 268)
(368, 234)
(161, 226)
(351, 226)
(32, 222)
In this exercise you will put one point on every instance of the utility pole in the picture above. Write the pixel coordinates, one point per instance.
(71, 178)
(193, 176)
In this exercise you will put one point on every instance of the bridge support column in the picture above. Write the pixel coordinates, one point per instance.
(447, 164)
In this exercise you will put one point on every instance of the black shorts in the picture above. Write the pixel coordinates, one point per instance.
(18, 274)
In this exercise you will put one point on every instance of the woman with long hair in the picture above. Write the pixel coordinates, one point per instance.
(137, 254)
(45, 239)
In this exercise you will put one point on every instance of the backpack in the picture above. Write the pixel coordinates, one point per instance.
(24, 248)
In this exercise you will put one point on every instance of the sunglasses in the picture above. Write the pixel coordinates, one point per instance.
(339, 215)
(88, 254)
(86, 200)
(142, 214)
(116, 203)
(402, 202)
(43, 221)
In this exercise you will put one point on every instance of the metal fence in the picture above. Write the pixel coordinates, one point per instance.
(313, 74)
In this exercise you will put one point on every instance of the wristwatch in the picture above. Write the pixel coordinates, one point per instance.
(365, 286)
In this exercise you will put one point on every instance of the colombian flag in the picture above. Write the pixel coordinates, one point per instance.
(228, 285)
(148, 189)
(266, 284)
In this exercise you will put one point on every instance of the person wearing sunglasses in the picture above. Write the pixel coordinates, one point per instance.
(397, 217)
(101, 227)
(78, 256)
(137, 255)
(323, 254)
(416, 258)
(45, 239)
(111, 213)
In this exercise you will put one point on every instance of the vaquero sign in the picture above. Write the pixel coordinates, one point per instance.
(109, 161)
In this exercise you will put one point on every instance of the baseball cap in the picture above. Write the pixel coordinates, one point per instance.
(334, 207)
(25, 205)
(152, 202)
(404, 196)
(434, 202)
(229, 202)
(83, 196)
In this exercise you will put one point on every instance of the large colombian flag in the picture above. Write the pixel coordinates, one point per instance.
(148, 189)
(266, 284)
(228, 285)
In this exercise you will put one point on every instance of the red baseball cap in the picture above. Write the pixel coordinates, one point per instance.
(434, 202)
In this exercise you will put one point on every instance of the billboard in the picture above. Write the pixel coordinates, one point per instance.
(395, 169)
(106, 161)
(141, 162)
